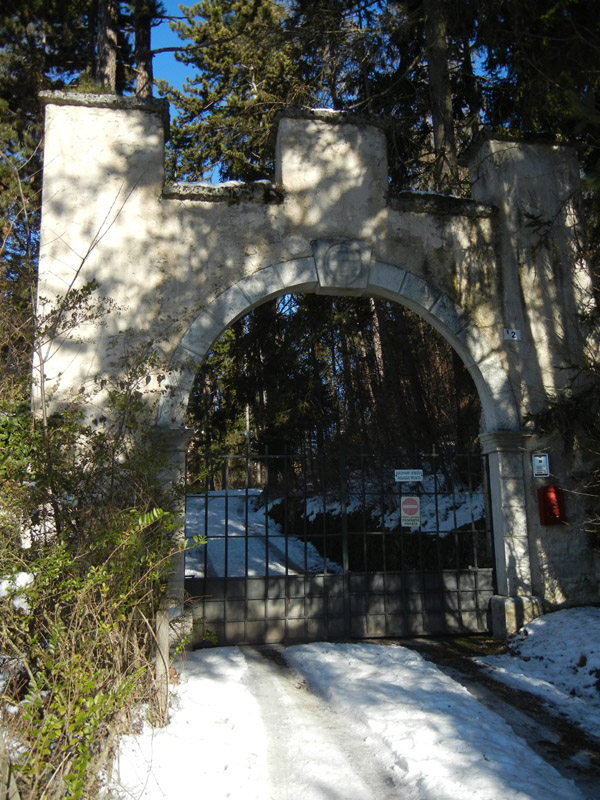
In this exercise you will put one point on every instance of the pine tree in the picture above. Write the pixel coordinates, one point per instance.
(247, 70)
(256, 58)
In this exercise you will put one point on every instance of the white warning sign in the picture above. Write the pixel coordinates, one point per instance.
(410, 507)
(408, 475)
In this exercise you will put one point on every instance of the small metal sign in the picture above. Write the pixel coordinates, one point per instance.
(541, 465)
(408, 475)
(512, 333)
(410, 508)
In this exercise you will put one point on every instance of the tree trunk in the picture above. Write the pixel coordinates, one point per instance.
(377, 342)
(422, 422)
(106, 54)
(446, 167)
(143, 54)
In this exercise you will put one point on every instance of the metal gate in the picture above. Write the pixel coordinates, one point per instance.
(308, 547)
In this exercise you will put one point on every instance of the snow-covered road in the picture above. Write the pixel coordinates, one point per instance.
(362, 720)
(264, 735)
(313, 753)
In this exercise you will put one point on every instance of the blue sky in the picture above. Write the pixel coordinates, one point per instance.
(164, 64)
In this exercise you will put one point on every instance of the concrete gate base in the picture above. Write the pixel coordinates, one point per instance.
(509, 614)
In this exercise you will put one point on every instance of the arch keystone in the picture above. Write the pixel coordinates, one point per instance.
(342, 266)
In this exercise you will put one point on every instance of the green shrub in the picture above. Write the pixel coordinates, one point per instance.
(82, 652)
(80, 638)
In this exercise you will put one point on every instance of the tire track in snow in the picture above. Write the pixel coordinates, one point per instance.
(314, 753)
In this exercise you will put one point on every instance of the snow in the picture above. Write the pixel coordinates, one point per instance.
(208, 184)
(12, 586)
(214, 742)
(443, 511)
(223, 516)
(557, 657)
(220, 185)
(436, 741)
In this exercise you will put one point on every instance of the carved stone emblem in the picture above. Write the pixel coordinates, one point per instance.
(342, 265)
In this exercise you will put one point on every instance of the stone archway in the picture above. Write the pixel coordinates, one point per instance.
(500, 439)
(506, 294)
(383, 280)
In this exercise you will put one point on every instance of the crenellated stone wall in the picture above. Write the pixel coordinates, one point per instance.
(182, 262)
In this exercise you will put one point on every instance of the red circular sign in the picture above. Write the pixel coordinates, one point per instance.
(410, 506)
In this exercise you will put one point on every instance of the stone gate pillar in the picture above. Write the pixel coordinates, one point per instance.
(543, 285)
(509, 514)
(172, 445)
(514, 603)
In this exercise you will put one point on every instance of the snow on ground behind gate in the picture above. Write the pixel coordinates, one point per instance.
(442, 743)
(242, 538)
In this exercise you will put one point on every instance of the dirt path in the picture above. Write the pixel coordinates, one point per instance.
(314, 753)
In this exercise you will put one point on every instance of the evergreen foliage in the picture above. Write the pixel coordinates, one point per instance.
(247, 69)
(452, 66)
(255, 58)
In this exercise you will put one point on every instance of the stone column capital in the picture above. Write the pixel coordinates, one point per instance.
(503, 441)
